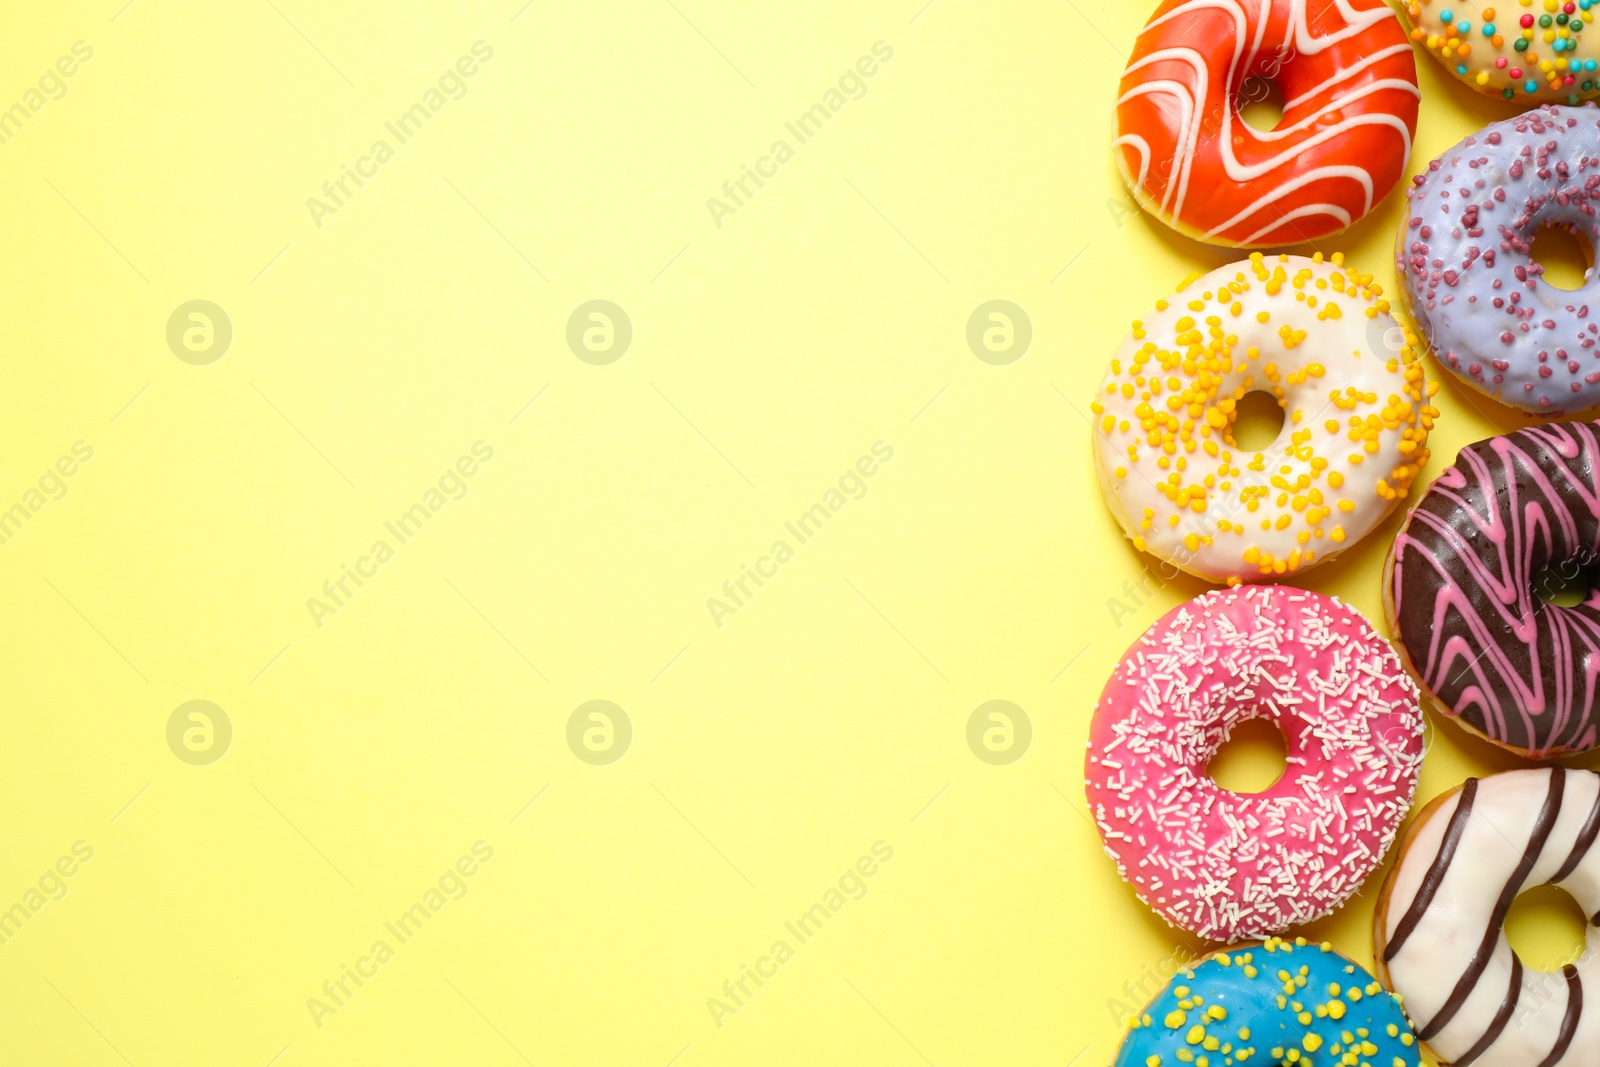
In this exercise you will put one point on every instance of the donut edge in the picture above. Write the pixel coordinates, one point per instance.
(1146, 203)
(1125, 524)
(1430, 701)
(1198, 961)
(1406, 303)
(1150, 206)
(1380, 914)
(1250, 946)
(1389, 843)
(1431, 351)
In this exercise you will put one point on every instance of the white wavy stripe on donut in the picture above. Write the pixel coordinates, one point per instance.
(1356, 174)
(1246, 175)
(1189, 130)
(1321, 172)
(1140, 145)
(1351, 71)
(1222, 5)
(1242, 173)
(1304, 211)
(1190, 136)
(1186, 102)
(1298, 36)
(1278, 133)
(1300, 31)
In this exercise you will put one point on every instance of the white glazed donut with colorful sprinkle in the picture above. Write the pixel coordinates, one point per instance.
(1534, 51)
(1230, 866)
(1318, 337)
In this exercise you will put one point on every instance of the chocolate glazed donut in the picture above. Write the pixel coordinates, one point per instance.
(1459, 595)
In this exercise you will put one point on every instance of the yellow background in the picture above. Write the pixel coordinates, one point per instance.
(768, 754)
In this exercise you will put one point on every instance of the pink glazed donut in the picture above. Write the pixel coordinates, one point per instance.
(1232, 866)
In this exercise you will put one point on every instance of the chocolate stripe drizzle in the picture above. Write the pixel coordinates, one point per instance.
(1580, 847)
(1569, 1021)
(1508, 893)
(1524, 672)
(1441, 863)
(1501, 1017)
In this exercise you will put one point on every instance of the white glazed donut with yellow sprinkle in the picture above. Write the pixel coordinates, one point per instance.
(1318, 337)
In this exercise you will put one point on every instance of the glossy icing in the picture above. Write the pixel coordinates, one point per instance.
(1439, 927)
(1459, 592)
(1531, 50)
(1468, 278)
(1318, 337)
(1257, 1004)
(1349, 87)
(1229, 866)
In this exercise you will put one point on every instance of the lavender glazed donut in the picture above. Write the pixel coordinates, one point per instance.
(1459, 590)
(1468, 279)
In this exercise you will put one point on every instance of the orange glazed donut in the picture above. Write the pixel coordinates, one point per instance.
(1349, 86)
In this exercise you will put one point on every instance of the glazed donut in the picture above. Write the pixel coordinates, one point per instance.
(1315, 335)
(1469, 281)
(1459, 594)
(1237, 1005)
(1349, 84)
(1438, 927)
(1538, 53)
(1230, 866)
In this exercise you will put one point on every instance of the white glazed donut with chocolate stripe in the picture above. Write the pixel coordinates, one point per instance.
(1439, 927)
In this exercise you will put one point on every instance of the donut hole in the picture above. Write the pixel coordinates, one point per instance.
(1251, 759)
(1564, 585)
(1546, 928)
(1260, 103)
(1564, 256)
(1257, 422)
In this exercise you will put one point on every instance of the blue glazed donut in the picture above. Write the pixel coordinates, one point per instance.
(1272, 1003)
(1469, 281)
